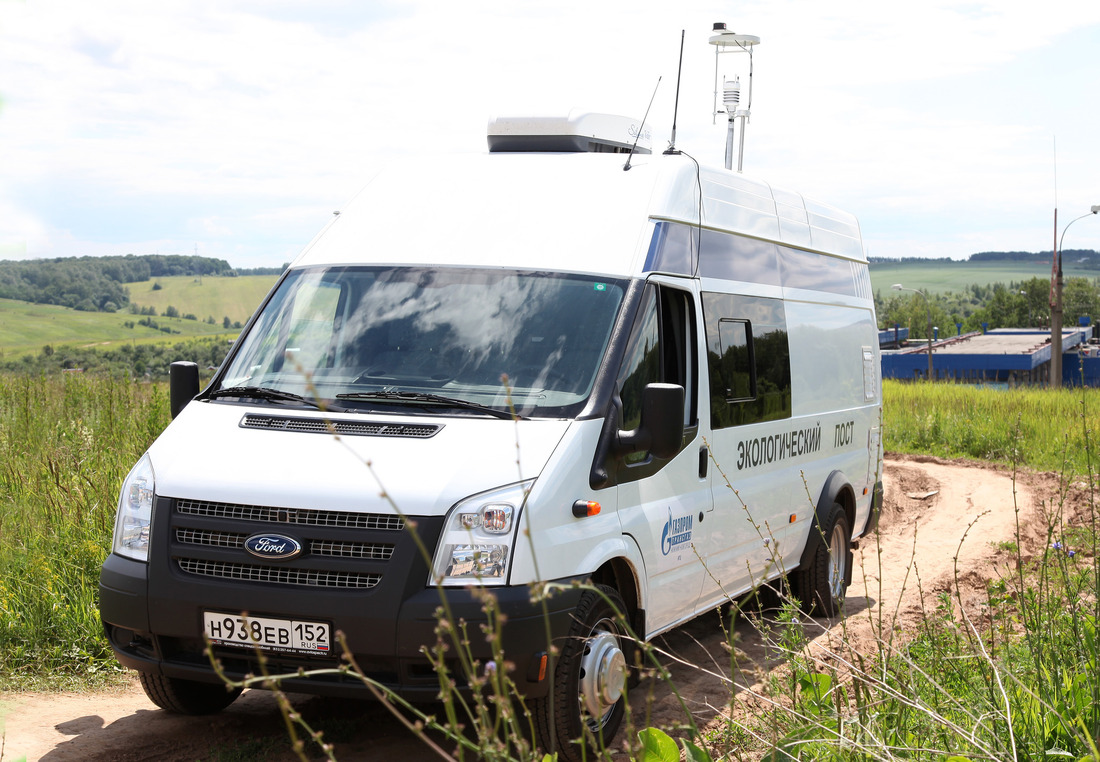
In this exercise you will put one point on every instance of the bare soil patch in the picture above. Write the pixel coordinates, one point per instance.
(943, 522)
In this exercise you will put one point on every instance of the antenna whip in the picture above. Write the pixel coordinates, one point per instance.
(676, 105)
(641, 127)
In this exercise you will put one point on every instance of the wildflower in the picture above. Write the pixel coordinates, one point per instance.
(1057, 545)
(1071, 553)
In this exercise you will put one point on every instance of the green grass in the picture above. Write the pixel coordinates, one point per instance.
(963, 421)
(1023, 682)
(25, 327)
(66, 443)
(939, 277)
(235, 298)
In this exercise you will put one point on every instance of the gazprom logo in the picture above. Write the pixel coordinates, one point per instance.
(677, 531)
(273, 546)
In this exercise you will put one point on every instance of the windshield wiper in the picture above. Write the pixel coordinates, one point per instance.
(263, 393)
(431, 399)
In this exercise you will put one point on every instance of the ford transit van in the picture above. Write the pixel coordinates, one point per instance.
(509, 373)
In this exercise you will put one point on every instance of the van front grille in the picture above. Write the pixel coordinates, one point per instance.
(291, 516)
(376, 551)
(209, 539)
(278, 575)
(342, 552)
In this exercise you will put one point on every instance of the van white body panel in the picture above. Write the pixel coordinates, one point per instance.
(206, 451)
(558, 211)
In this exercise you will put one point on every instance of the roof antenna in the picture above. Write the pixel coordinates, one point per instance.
(676, 106)
(641, 127)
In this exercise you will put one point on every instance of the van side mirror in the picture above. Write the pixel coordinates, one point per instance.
(183, 385)
(661, 429)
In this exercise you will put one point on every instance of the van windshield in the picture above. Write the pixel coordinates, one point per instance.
(416, 339)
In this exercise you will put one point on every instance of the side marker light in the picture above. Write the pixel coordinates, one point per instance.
(584, 508)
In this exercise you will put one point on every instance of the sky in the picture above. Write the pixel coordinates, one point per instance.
(234, 128)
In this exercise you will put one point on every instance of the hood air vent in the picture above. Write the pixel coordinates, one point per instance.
(343, 428)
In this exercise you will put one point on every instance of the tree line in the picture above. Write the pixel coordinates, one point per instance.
(1085, 259)
(96, 284)
(1019, 304)
(142, 361)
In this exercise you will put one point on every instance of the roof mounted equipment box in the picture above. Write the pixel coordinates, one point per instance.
(575, 133)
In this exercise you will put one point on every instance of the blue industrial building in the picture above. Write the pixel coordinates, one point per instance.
(1009, 356)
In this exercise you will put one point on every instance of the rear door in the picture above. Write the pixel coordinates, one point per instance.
(756, 487)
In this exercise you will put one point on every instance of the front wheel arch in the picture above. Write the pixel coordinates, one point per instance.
(581, 716)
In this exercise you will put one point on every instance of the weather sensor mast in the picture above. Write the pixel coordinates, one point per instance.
(725, 41)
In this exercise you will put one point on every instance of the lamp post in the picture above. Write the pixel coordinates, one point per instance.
(1024, 293)
(1056, 302)
(928, 306)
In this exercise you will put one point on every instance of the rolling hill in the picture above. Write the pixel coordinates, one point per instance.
(939, 276)
(25, 327)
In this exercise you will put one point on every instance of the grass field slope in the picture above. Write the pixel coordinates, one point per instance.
(25, 327)
(939, 276)
(235, 298)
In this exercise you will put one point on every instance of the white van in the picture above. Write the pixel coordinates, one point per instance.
(662, 381)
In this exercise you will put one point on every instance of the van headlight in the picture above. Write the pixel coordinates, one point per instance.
(478, 536)
(135, 512)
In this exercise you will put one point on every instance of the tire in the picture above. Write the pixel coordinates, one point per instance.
(186, 696)
(590, 680)
(821, 583)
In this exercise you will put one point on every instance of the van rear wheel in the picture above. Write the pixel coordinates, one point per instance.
(590, 680)
(821, 583)
(186, 696)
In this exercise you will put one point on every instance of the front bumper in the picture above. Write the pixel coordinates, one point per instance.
(152, 614)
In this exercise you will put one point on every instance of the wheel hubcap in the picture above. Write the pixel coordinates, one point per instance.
(603, 674)
(838, 560)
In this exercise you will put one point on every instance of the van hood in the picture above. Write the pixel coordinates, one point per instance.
(289, 458)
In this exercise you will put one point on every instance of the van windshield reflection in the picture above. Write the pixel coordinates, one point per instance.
(381, 338)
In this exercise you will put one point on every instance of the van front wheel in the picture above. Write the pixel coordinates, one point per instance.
(186, 696)
(590, 680)
(821, 583)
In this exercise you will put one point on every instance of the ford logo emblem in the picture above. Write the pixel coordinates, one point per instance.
(273, 546)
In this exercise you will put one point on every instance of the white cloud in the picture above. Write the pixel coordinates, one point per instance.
(243, 124)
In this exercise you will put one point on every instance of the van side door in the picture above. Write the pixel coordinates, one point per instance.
(749, 374)
(661, 501)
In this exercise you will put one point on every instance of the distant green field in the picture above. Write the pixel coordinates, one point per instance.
(235, 298)
(25, 328)
(937, 277)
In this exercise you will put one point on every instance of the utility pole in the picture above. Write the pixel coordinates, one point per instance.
(1056, 312)
(928, 307)
(1056, 299)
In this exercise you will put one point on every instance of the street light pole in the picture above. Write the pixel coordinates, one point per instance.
(928, 307)
(1056, 303)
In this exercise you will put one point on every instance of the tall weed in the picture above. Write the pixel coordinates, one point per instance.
(66, 442)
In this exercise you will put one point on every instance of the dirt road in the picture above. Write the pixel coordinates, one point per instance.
(930, 506)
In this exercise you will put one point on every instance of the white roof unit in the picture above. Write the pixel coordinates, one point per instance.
(579, 132)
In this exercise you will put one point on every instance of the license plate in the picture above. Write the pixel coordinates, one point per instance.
(283, 635)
